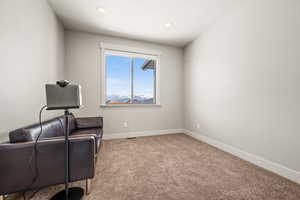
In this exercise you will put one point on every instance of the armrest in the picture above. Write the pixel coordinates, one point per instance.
(16, 173)
(89, 122)
(70, 137)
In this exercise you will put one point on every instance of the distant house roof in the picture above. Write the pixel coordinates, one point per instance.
(149, 64)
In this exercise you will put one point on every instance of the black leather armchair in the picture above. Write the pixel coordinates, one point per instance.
(16, 170)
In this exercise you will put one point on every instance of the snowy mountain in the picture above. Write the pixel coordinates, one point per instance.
(126, 99)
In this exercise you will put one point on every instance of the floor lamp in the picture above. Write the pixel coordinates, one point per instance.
(65, 96)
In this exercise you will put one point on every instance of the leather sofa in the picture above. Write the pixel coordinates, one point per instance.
(17, 169)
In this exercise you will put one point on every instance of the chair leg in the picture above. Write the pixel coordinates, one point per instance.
(87, 186)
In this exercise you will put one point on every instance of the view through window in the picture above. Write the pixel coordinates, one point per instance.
(130, 79)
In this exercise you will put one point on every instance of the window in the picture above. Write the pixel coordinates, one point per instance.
(129, 78)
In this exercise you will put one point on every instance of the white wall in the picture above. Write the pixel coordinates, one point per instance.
(83, 66)
(31, 54)
(242, 81)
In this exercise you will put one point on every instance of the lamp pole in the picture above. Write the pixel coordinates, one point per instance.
(67, 153)
(73, 193)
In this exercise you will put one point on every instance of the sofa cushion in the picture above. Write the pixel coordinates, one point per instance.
(89, 122)
(72, 123)
(51, 128)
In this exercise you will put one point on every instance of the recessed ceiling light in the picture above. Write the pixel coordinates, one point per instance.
(168, 25)
(101, 10)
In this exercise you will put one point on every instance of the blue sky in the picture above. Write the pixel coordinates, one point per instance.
(118, 77)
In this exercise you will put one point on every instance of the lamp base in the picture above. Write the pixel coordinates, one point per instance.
(75, 193)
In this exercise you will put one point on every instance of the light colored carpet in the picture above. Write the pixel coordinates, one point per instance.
(178, 167)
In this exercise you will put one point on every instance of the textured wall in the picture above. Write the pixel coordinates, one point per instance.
(242, 80)
(31, 54)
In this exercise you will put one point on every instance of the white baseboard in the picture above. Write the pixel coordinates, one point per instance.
(141, 133)
(257, 160)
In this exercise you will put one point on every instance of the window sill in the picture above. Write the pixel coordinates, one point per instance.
(130, 105)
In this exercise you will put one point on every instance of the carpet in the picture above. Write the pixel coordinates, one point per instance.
(178, 167)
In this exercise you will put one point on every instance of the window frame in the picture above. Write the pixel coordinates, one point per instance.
(131, 52)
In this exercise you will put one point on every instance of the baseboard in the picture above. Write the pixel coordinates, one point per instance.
(141, 133)
(257, 160)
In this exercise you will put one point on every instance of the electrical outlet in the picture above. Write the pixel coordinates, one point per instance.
(125, 124)
(197, 125)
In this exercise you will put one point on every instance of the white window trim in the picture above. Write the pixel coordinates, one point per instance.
(128, 51)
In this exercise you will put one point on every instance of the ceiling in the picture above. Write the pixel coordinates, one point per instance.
(143, 19)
